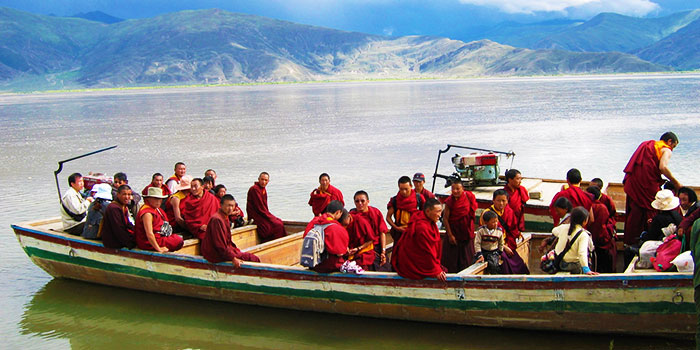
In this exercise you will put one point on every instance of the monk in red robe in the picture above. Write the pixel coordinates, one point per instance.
(417, 253)
(172, 204)
(335, 237)
(573, 192)
(642, 181)
(217, 245)
(458, 245)
(151, 231)
(603, 232)
(512, 262)
(517, 196)
(362, 238)
(324, 194)
(604, 198)
(197, 208)
(174, 180)
(379, 229)
(157, 181)
(419, 185)
(402, 206)
(269, 226)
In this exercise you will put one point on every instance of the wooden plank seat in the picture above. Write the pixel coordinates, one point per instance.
(243, 237)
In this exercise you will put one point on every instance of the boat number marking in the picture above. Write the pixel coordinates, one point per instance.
(459, 293)
(677, 298)
(71, 253)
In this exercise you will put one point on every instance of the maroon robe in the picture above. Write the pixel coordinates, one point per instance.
(516, 201)
(217, 245)
(335, 239)
(462, 213)
(603, 232)
(427, 194)
(172, 242)
(575, 195)
(376, 220)
(417, 254)
(319, 200)
(404, 207)
(269, 226)
(360, 232)
(163, 187)
(609, 203)
(116, 229)
(509, 224)
(197, 211)
(642, 181)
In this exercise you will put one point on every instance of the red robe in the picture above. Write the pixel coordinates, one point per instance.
(359, 232)
(404, 207)
(462, 213)
(642, 181)
(217, 245)
(375, 219)
(516, 201)
(319, 200)
(603, 231)
(335, 239)
(269, 226)
(165, 189)
(509, 224)
(417, 254)
(575, 195)
(608, 202)
(198, 211)
(172, 242)
(427, 194)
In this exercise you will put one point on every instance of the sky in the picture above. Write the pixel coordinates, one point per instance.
(451, 18)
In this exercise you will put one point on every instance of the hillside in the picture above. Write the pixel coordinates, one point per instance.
(680, 49)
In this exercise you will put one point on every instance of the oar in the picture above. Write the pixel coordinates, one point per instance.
(60, 166)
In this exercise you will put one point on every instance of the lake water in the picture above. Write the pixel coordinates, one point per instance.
(365, 135)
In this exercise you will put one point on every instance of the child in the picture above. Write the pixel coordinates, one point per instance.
(489, 242)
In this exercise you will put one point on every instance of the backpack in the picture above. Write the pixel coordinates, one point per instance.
(551, 261)
(313, 248)
(667, 251)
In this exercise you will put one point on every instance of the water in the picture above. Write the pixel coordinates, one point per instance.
(365, 135)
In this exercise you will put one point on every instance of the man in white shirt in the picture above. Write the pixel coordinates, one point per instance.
(74, 206)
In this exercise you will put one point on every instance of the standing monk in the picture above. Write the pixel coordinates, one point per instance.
(419, 184)
(642, 181)
(517, 195)
(217, 245)
(324, 194)
(417, 253)
(197, 208)
(458, 219)
(269, 226)
(180, 171)
(573, 192)
(402, 206)
(603, 233)
(376, 220)
(604, 198)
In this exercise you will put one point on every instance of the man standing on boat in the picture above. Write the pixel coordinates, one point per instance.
(74, 206)
(517, 196)
(402, 206)
(217, 245)
(643, 180)
(573, 192)
(324, 194)
(173, 181)
(269, 226)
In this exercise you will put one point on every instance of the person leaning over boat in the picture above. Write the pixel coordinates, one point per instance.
(402, 206)
(335, 237)
(376, 219)
(643, 179)
(117, 230)
(517, 196)
(324, 194)
(152, 231)
(458, 219)
(573, 192)
(576, 258)
(419, 185)
(174, 180)
(269, 226)
(74, 206)
(217, 245)
(417, 253)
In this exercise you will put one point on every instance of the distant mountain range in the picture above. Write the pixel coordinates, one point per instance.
(217, 47)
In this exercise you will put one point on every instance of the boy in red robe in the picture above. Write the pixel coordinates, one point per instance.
(324, 194)
(458, 245)
(573, 192)
(269, 226)
(402, 206)
(517, 196)
(362, 238)
(642, 181)
(197, 208)
(417, 253)
(335, 237)
(379, 229)
(604, 198)
(217, 245)
(603, 232)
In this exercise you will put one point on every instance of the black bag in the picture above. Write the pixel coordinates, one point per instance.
(551, 261)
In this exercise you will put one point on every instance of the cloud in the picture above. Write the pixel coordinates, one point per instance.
(568, 7)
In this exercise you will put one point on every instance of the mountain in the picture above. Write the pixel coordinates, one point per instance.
(680, 49)
(524, 35)
(215, 47)
(98, 16)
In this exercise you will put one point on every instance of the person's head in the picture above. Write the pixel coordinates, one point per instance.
(210, 172)
(405, 186)
(346, 219)
(154, 197)
(185, 184)
(120, 179)
(220, 190)
(361, 199)
(124, 195)
(180, 169)
(687, 197)
(335, 208)
(228, 205)
(208, 183)
(157, 180)
(490, 219)
(594, 191)
(324, 180)
(579, 217)
(263, 179)
(196, 187)
(597, 182)
(75, 180)
(573, 176)
(418, 181)
(670, 139)
(514, 178)
(433, 209)
(500, 199)
(457, 188)
(562, 206)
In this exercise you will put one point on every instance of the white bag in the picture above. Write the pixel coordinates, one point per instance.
(646, 252)
(684, 262)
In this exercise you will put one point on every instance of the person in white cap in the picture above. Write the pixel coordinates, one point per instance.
(666, 203)
(96, 210)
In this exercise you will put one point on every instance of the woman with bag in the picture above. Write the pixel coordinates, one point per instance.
(575, 243)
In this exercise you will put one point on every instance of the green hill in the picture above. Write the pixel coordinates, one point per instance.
(680, 49)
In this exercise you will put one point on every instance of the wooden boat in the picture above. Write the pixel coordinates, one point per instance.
(634, 302)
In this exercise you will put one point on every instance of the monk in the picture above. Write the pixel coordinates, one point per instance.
(643, 180)
(217, 245)
(517, 196)
(324, 194)
(458, 218)
(603, 233)
(174, 180)
(269, 226)
(573, 192)
(402, 206)
(157, 181)
(116, 230)
(417, 253)
(197, 208)
(335, 237)
(172, 204)
(379, 229)
(604, 198)
(362, 237)
(419, 184)
(512, 261)
(152, 231)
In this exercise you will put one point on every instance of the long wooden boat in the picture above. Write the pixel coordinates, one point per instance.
(634, 302)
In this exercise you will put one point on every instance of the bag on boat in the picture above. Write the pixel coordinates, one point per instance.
(313, 249)
(666, 252)
(646, 252)
(684, 262)
(551, 261)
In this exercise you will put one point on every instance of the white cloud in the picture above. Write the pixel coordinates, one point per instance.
(591, 7)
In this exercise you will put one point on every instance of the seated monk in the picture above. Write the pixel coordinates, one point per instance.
(174, 180)
(217, 245)
(402, 206)
(117, 230)
(335, 237)
(376, 219)
(152, 231)
(417, 253)
(157, 181)
(172, 204)
(573, 192)
(362, 238)
(269, 226)
(324, 194)
(197, 208)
